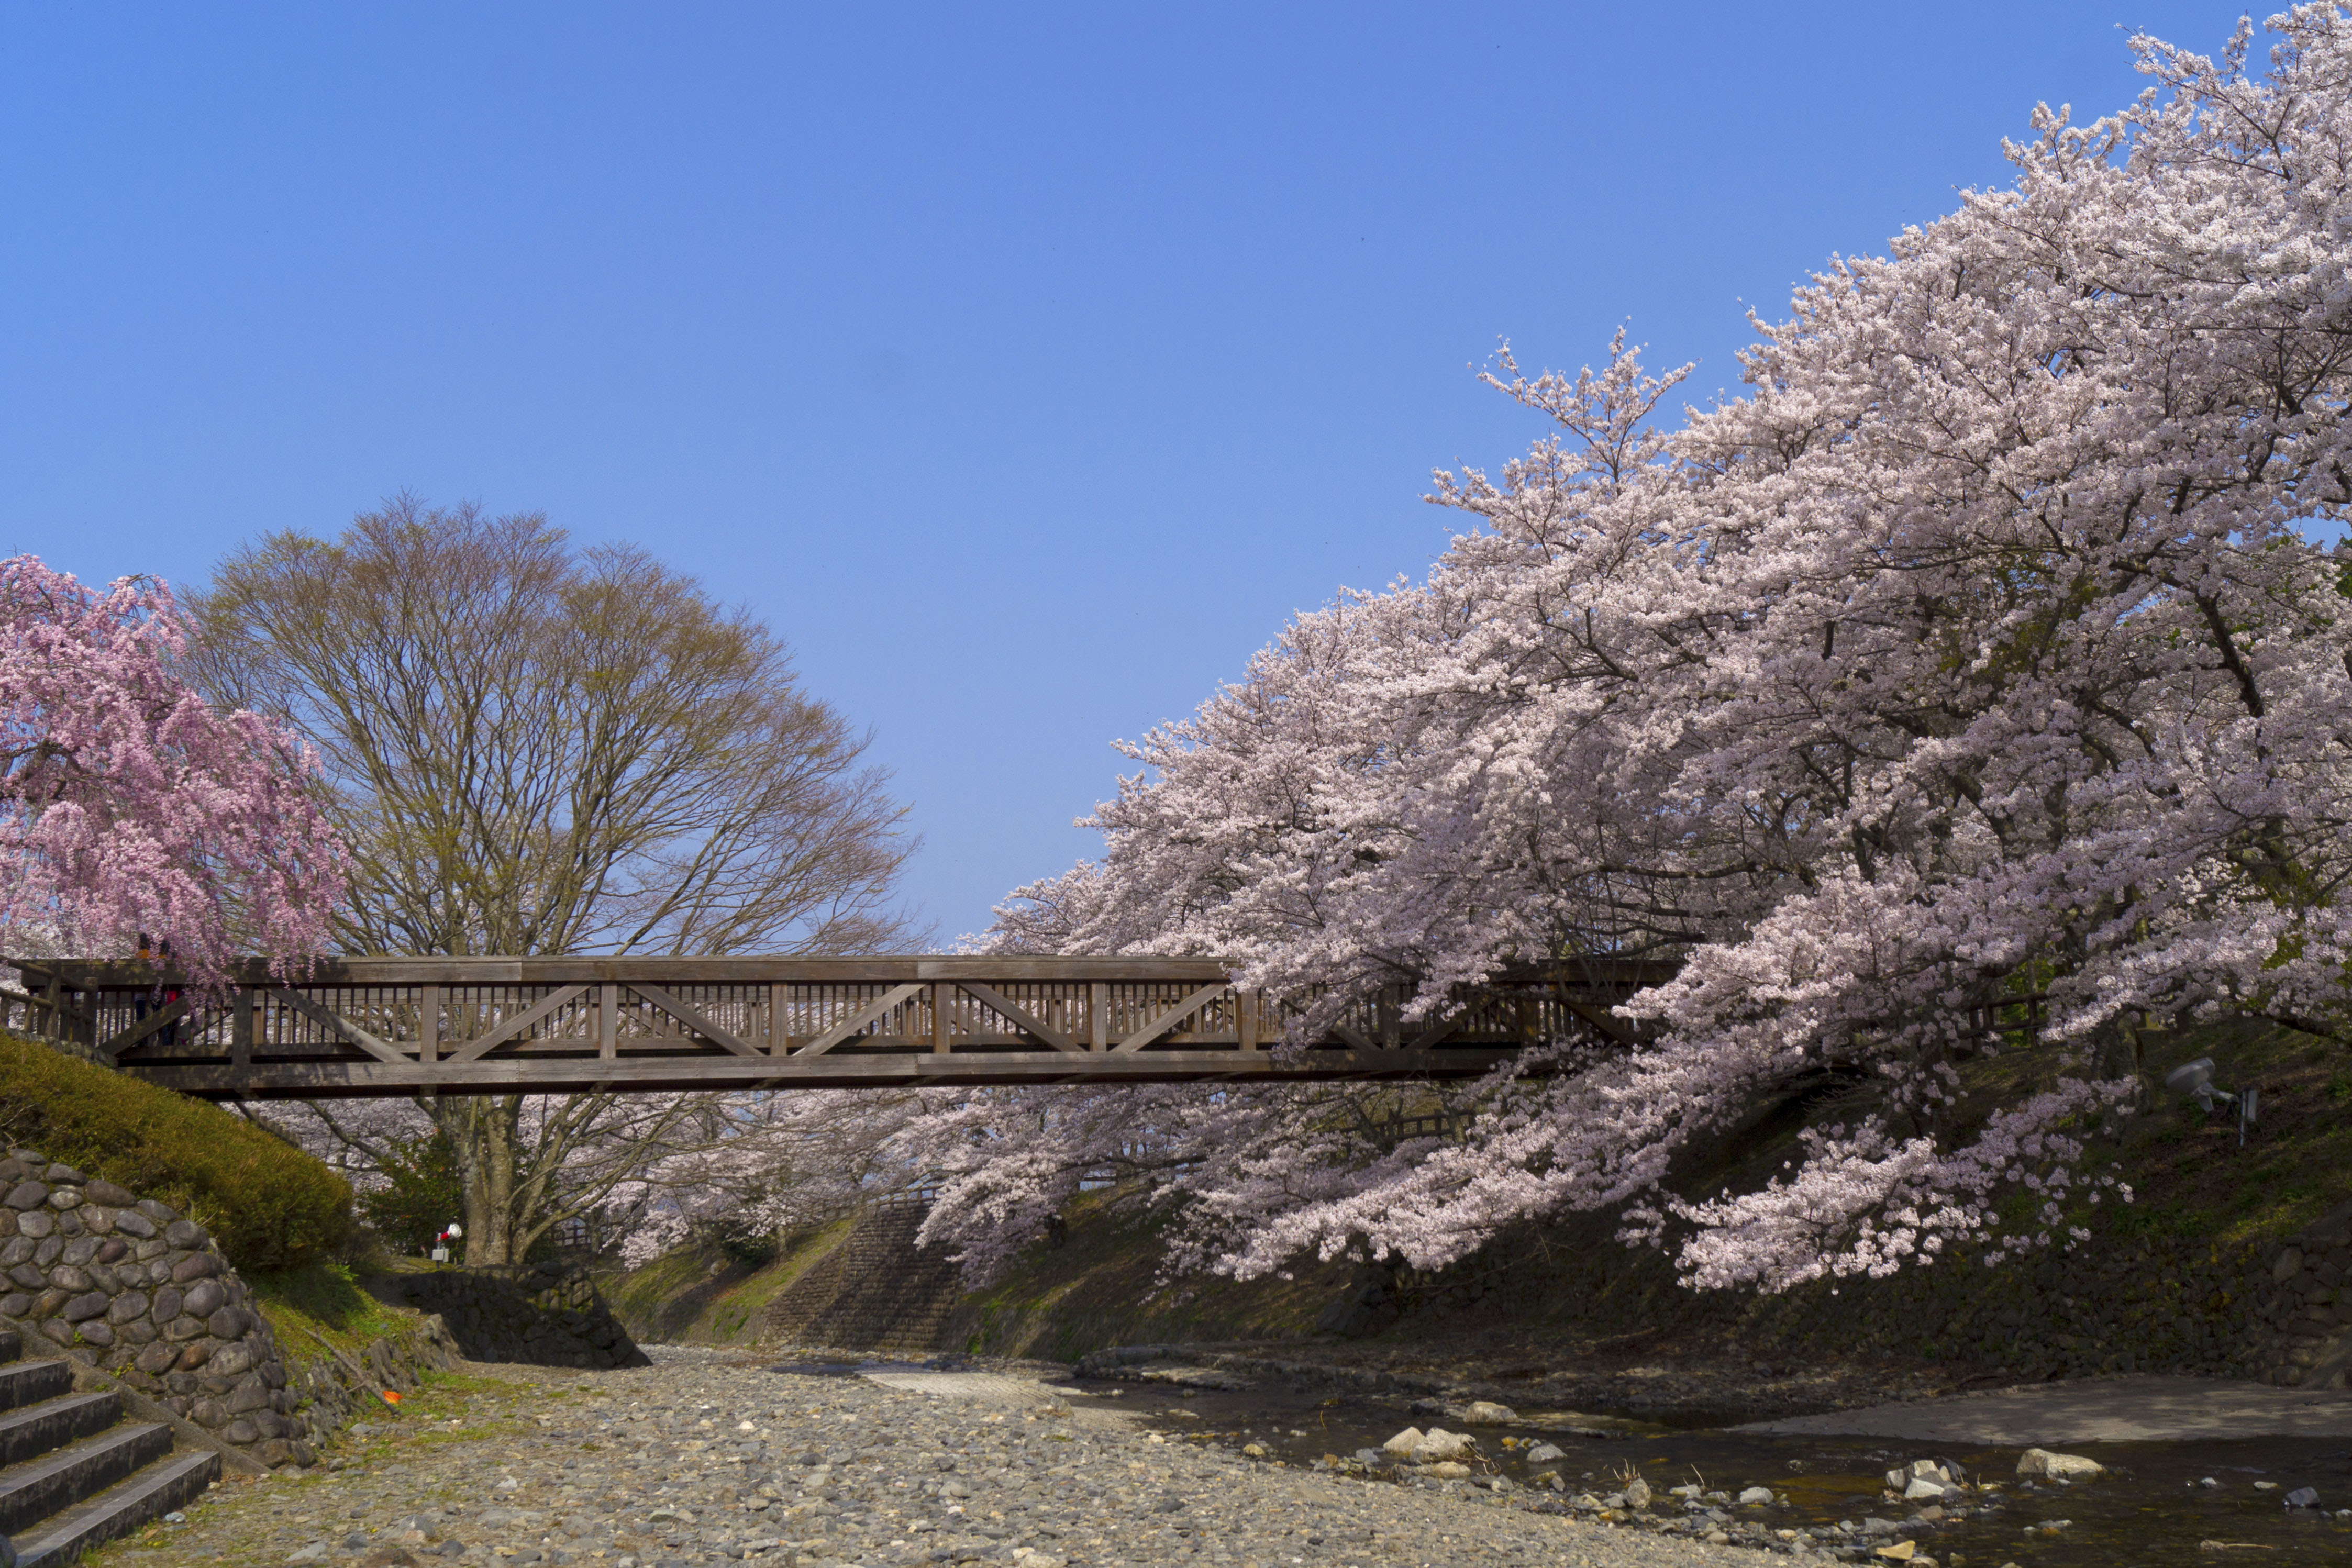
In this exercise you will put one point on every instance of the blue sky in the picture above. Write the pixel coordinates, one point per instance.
(1025, 367)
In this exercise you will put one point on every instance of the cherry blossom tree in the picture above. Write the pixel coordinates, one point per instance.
(129, 804)
(753, 1164)
(1976, 682)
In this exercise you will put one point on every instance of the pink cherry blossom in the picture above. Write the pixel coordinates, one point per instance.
(129, 805)
(1972, 683)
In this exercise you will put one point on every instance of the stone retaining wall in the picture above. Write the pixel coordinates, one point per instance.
(339, 1388)
(2114, 1304)
(2303, 1309)
(873, 1290)
(543, 1314)
(133, 1287)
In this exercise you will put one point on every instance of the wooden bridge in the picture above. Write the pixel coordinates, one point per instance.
(361, 1027)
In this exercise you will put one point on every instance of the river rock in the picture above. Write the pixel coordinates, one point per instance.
(1438, 1446)
(1757, 1494)
(1487, 1413)
(1404, 1442)
(2058, 1466)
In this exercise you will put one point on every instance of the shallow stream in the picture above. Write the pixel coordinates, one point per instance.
(2151, 1508)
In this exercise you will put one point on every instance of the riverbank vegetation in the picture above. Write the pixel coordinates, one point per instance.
(269, 1205)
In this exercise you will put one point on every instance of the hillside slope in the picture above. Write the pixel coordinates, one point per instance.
(2171, 1280)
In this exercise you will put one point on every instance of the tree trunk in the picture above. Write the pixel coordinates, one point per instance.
(483, 1133)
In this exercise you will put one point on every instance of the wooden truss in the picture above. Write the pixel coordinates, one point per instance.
(360, 1027)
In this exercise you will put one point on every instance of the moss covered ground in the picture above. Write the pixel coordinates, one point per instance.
(267, 1203)
(704, 1295)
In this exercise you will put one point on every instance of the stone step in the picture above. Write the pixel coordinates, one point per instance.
(172, 1482)
(31, 1430)
(12, 1345)
(31, 1491)
(24, 1383)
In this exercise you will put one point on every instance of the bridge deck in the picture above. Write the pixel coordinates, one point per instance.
(361, 1027)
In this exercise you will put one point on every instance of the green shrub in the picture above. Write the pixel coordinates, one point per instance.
(267, 1204)
(424, 1193)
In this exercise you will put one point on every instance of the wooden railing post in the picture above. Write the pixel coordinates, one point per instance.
(943, 995)
(242, 1007)
(428, 1022)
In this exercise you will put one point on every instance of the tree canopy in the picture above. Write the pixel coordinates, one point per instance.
(1975, 682)
(129, 804)
(536, 748)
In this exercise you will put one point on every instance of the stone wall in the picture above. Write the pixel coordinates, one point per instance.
(131, 1287)
(2115, 1304)
(544, 1314)
(2304, 1309)
(339, 1388)
(873, 1292)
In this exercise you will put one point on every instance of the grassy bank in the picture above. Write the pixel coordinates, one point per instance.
(267, 1203)
(2164, 1279)
(1101, 1286)
(702, 1295)
(323, 1300)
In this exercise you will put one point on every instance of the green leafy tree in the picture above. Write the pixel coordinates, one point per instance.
(424, 1191)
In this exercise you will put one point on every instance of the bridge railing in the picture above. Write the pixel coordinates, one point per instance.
(362, 1026)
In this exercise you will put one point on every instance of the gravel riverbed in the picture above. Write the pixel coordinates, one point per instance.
(704, 1459)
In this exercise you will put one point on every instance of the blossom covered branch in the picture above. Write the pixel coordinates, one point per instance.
(129, 804)
(1979, 665)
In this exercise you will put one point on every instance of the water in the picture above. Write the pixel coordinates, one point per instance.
(2147, 1509)
(859, 1368)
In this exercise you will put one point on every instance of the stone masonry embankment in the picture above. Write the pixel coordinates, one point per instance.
(2114, 1303)
(2303, 1306)
(873, 1290)
(131, 1287)
(544, 1314)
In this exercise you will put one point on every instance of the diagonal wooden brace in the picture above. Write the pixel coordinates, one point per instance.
(1437, 1031)
(859, 1020)
(1019, 1014)
(153, 1022)
(694, 1017)
(1172, 1018)
(380, 1050)
(481, 1045)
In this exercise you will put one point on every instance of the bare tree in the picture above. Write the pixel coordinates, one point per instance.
(534, 748)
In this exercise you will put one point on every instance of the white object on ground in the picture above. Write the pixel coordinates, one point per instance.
(2058, 1466)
